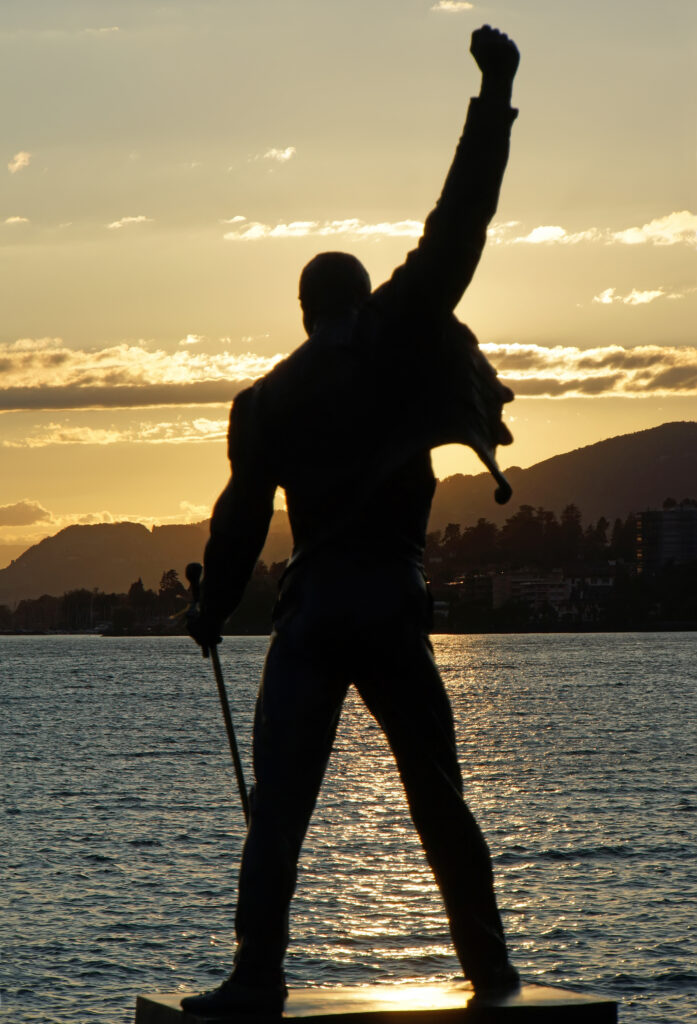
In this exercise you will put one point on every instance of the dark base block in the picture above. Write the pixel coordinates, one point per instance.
(449, 1003)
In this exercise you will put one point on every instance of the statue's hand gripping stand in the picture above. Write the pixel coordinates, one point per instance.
(193, 575)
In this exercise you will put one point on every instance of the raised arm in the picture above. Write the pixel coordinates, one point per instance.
(436, 273)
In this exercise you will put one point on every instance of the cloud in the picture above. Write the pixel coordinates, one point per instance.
(179, 431)
(16, 220)
(674, 229)
(497, 231)
(281, 156)
(547, 234)
(19, 161)
(680, 379)
(353, 227)
(140, 219)
(139, 396)
(634, 298)
(109, 30)
(44, 373)
(196, 512)
(569, 371)
(579, 387)
(192, 339)
(637, 297)
(88, 519)
(452, 6)
(24, 513)
(55, 433)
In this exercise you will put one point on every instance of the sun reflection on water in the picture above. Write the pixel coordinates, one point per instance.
(125, 831)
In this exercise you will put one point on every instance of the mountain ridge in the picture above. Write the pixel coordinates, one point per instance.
(611, 478)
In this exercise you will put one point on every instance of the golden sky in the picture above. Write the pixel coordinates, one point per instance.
(167, 168)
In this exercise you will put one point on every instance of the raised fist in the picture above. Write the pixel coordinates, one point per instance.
(496, 54)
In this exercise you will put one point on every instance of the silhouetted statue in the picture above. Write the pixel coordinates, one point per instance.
(345, 425)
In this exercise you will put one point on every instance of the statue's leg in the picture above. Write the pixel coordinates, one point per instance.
(295, 724)
(404, 692)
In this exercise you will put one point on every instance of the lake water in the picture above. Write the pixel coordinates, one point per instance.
(121, 828)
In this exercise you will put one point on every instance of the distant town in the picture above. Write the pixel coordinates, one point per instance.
(536, 572)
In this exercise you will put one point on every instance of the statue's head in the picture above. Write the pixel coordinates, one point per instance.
(333, 283)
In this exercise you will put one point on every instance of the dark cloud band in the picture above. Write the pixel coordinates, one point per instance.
(23, 513)
(121, 397)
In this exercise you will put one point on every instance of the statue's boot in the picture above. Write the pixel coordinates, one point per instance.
(232, 999)
(498, 983)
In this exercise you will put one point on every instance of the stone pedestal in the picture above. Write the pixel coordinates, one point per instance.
(448, 1003)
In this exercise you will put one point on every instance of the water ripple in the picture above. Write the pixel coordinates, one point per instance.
(122, 833)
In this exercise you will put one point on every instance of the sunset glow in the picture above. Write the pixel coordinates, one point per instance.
(169, 168)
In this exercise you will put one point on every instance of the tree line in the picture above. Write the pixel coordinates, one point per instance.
(530, 538)
(534, 540)
(596, 565)
(139, 611)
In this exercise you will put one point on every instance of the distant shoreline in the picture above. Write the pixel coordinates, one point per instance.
(654, 627)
